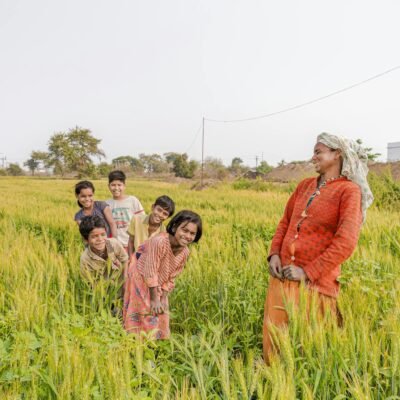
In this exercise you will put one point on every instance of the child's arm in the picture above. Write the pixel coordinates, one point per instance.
(110, 220)
(131, 245)
(155, 302)
(131, 233)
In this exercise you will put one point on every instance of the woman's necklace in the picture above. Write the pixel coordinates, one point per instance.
(304, 214)
(316, 193)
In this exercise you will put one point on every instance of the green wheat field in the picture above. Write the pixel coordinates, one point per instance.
(59, 341)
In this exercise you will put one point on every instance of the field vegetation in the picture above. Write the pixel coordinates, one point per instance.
(59, 341)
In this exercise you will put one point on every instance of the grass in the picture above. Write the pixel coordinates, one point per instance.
(57, 341)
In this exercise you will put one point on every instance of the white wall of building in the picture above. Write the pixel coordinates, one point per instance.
(393, 153)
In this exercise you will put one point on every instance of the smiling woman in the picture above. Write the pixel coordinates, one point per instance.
(318, 232)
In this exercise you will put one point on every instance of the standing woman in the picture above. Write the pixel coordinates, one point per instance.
(318, 232)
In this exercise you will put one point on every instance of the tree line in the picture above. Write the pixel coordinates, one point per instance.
(74, 152)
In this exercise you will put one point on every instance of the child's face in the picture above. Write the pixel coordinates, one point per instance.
(186, 233)
(97, 239)
(158, 214)
(85, 197)
(117, 189)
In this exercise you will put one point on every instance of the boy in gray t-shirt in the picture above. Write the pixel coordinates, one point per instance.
(123, 207)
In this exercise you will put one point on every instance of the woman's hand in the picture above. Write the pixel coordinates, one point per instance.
(294, 273)
(275, 267)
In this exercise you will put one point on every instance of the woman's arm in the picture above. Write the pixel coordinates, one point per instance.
(346, 237)
(283, 225)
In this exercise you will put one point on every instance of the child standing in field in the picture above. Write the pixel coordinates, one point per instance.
(152, 272)
(84, 192)
(143, 227)
(104, 259)
(123, 207)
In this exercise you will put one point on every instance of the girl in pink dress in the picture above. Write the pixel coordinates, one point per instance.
(152, 272)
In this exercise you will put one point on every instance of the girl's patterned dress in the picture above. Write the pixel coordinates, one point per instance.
(153, 265)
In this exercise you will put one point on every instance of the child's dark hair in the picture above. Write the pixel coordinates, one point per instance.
(116, 176)
(184, 217)
(166, 203)
(89, 223)
(83, 185)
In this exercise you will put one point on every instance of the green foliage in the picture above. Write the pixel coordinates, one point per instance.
(263, 186)
(386, 191)
(181, 166)
(371, 156)
(14, 170)
(153, 163)
(237, 167)
(264, 168)
(73, 152)
(37, 158)
(215, 169)
(103, 169)
(58, 339)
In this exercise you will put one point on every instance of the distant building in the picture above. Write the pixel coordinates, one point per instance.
(393, 153)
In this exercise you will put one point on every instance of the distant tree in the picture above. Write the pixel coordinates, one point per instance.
(103, 169)
(32, 164)
(236, 162)
(237, 167)
(34, 161)
(137, 165)
(128, 162)
(153, 163)
(3, 172)
(214, 168)
(73, 151)
(122, 161)
(58, 153)
(14, 170)
(371, 156)
(264, 168)
(282, 163)
(83, 146)
(181, 166)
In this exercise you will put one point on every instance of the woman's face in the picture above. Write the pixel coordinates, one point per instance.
(325, 158)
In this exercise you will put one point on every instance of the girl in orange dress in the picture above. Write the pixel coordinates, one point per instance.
(152, 272)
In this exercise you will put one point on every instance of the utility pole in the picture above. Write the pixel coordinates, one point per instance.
(202, 156)
(256, 162)
(3, 161)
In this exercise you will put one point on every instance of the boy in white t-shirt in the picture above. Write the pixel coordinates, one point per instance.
(123, 207)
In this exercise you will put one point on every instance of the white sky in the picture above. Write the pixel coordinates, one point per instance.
(141, 74)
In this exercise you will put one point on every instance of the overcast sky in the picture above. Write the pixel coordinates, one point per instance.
(142, 74)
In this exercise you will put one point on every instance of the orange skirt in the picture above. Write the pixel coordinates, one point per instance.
(279, 294)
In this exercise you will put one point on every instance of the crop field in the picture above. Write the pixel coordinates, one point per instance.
(59, 341)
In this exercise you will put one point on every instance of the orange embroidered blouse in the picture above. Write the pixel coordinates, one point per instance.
(326, 237)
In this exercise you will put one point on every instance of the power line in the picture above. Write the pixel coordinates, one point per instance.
(307, 102)
(195, 137)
